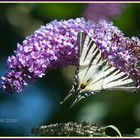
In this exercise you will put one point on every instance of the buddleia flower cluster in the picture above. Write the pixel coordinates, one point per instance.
(55, 45)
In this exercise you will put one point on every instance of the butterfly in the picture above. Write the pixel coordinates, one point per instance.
(93, 72)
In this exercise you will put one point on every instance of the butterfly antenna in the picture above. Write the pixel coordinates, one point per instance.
(70, 93)
(76, 101)
(66, 98)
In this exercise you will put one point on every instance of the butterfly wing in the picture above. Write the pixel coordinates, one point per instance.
(89, 58)
(95, 71)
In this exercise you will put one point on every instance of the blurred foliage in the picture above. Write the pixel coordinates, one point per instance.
(117, 108)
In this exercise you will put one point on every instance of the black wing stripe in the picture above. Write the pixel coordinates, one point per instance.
(101, 67)
(94, 57)
(119, 83)
(95, 48)
(90, 43)
(83, 38)
(99, 60)
(107, 68)
(123, 78)
(114, 81)
(126, 78)
(118, 72)
(110, 73)
(90, 64)
(80, 39)
(104, 76)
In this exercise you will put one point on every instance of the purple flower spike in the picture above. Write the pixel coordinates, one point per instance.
(54, 45)
(102, 11)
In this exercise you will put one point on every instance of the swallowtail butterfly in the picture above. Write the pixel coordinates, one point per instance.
(93, 72)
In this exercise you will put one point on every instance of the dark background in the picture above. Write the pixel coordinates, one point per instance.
(39, 102)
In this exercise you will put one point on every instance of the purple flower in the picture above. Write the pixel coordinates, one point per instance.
(54, 45)
(102, 11)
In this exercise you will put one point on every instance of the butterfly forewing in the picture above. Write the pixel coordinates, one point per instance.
(87, 50)
(95, 71)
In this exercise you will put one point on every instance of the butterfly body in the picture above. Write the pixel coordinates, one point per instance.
(93, 72)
